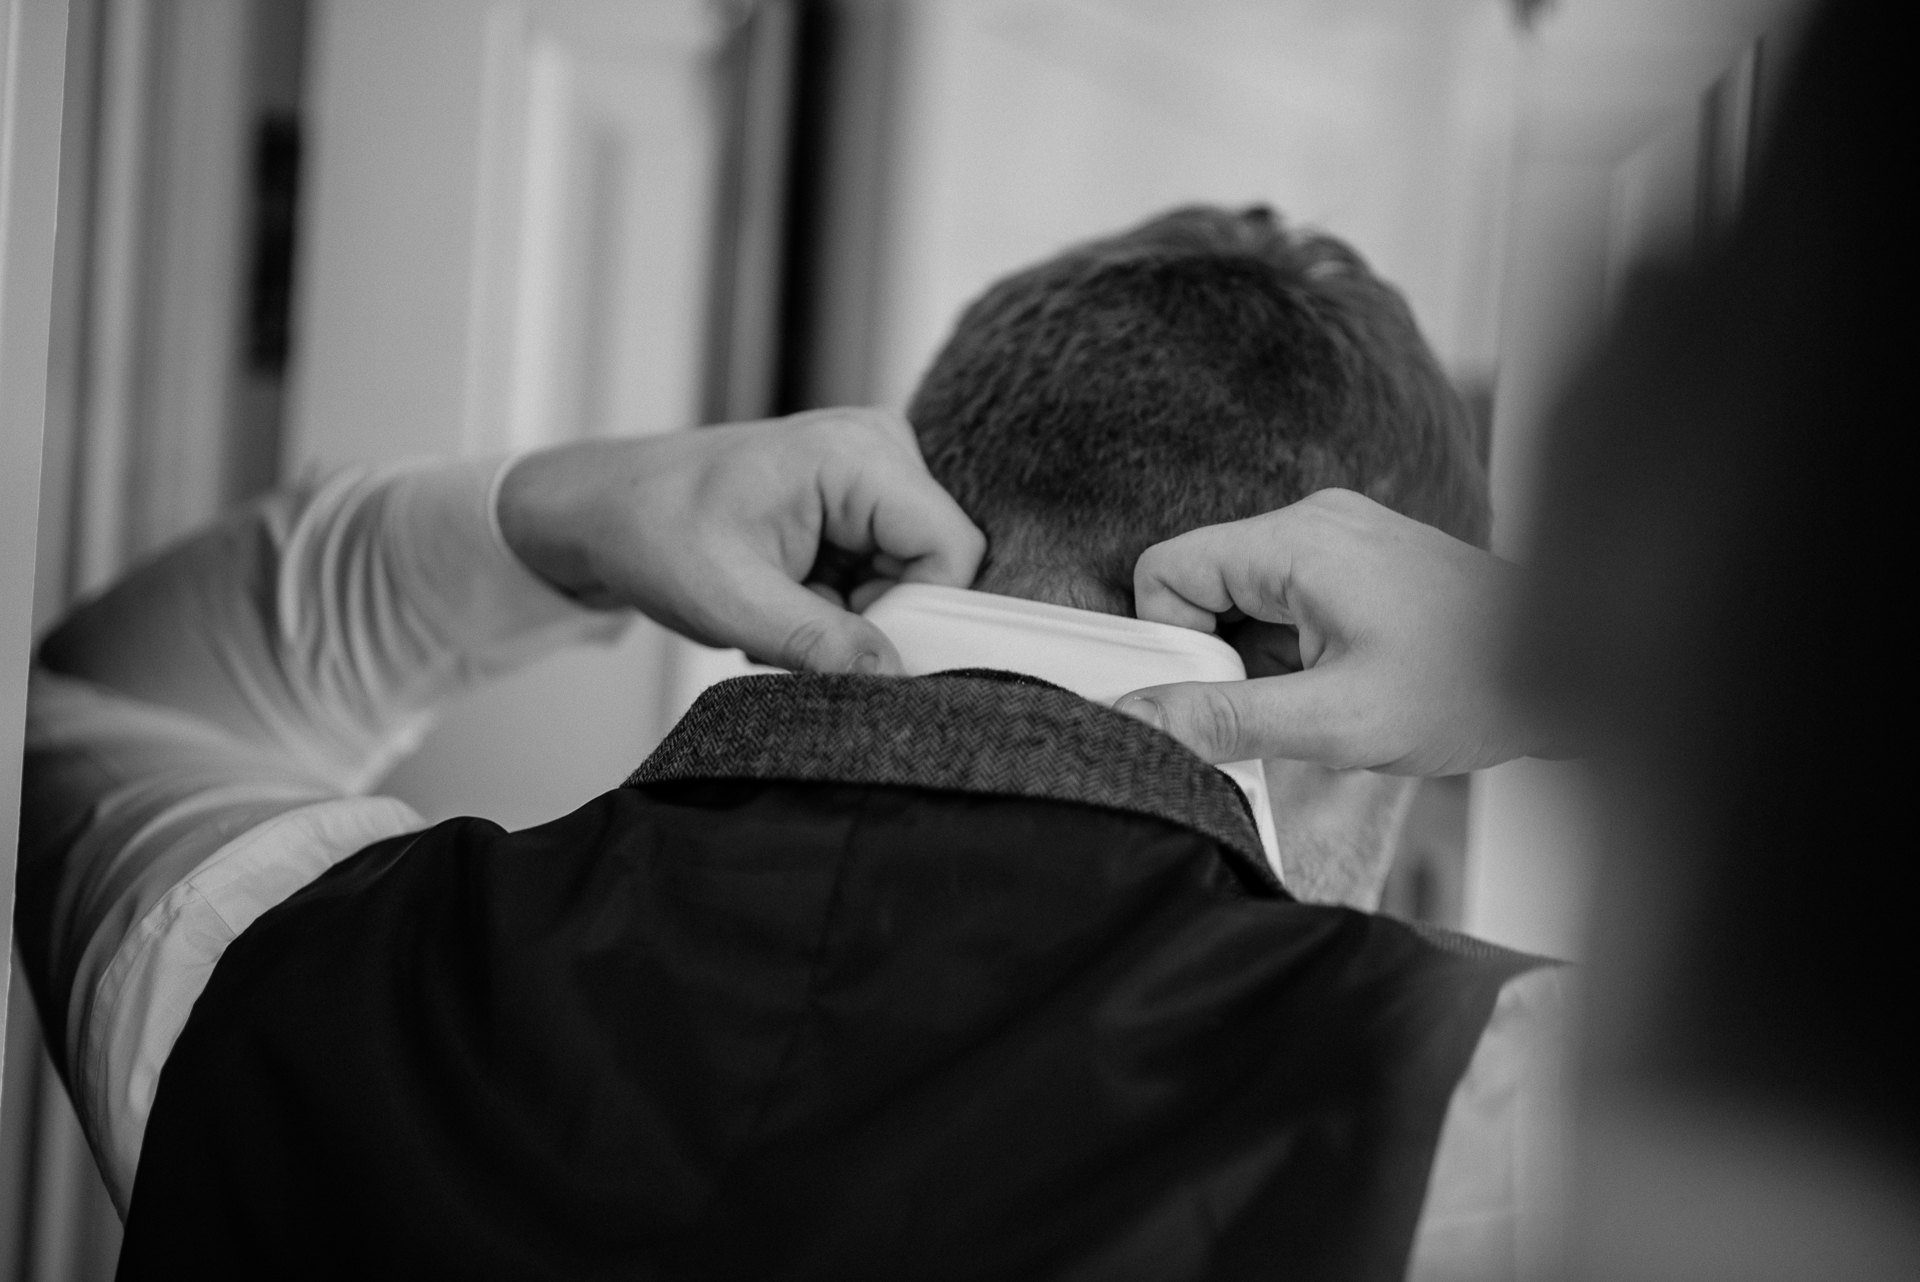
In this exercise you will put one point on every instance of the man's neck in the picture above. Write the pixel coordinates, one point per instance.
(1052, 586)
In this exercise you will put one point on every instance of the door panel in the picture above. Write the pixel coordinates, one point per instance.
(507, 229)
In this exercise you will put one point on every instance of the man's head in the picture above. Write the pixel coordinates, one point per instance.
(1203, 367)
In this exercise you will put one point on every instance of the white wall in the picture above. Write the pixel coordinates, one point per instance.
(1026, 125)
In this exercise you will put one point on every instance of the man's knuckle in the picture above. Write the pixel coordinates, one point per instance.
(1216, 719)
(802, 642)
(810, 645)
(853, 425)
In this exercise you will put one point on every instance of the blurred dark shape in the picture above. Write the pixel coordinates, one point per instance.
(844, 114)
(756, 70)
(276, 197)
(1722, 627)
(818, 49)
(1527, 12)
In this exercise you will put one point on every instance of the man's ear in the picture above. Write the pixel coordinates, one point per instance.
(1268, 649)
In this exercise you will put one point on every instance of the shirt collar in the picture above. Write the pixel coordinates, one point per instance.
(1100, 657)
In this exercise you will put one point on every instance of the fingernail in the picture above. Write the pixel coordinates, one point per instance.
(866, 662)
(1145, 710)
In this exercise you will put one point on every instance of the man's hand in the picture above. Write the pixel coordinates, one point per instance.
(1401, 631)
(712, 531)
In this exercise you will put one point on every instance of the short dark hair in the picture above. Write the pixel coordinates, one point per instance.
(1205, 366)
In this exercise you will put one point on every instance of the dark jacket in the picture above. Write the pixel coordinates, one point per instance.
(953, 977)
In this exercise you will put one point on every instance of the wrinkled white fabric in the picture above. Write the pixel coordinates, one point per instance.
(322, 628)
(1493, 1197)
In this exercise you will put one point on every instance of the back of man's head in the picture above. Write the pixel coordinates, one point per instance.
(1203, 367)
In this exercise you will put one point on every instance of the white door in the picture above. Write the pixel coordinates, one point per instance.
(506, 224)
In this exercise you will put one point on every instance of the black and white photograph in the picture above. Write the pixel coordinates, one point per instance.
(953, 641)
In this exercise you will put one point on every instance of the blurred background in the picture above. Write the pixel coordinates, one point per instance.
(299, 233)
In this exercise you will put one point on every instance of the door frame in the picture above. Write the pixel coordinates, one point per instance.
(33, 66)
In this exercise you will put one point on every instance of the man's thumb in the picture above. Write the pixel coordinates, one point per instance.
(811, 634)
(1238, 720)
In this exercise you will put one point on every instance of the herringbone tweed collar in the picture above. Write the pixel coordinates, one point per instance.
(992, 733)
